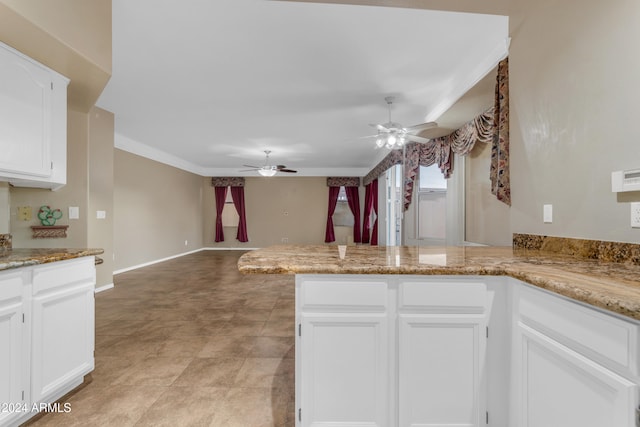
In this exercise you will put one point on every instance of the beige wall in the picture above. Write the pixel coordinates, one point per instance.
(100, 231)
(280, 207)
(574, 107)
(156, 208)
(487, 219)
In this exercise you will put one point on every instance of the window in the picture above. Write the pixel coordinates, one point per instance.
(230, 217)
(432, 209)
(342, 216)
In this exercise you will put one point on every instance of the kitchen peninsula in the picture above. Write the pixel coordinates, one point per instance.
(464, 336)
(46, 327)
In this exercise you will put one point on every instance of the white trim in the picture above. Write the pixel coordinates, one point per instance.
(103, 288)
(145, 264)
(209, 248)
(129, 145)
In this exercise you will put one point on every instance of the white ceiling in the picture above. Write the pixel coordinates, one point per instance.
(208, 85)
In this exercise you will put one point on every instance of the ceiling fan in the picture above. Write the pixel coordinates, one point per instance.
(267, 169)
(394, 135)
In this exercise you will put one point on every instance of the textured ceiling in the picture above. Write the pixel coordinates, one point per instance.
(208, 85)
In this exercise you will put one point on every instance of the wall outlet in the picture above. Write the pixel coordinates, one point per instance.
(285, 240)
(635, 215)
(25, 213)
(101, 214)
(547, 214)
(186, 242)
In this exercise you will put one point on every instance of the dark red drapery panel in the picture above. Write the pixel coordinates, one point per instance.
(366, 222)
(237, 194)
(221, 195)
(353, 199)
(374, 196)
(329, 235)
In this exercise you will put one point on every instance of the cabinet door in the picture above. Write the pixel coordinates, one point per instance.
(344, 370)
(63, 325)
(11, 349)
(441, 362)
(561, 388)
(25, 115)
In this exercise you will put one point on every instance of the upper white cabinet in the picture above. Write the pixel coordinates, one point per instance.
(33, 122)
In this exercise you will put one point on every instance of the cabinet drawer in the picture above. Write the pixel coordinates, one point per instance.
(64, 273)
(342, 294)
(11, 283)
(598, 335)
(440, 295)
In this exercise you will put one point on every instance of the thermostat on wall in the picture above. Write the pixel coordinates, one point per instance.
(622, 181)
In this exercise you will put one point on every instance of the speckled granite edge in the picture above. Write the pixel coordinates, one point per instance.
(16, 258)
(618, 252)
(5, 241)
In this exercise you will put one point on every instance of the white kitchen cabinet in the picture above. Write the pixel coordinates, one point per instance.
(11, 337)
(47, 334)
(574, 366)
(342, 368)
(63, 325)
(390, 351)
(33, 122)
(442, 347)
(561, 388)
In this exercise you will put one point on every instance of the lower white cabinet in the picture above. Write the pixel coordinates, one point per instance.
(573, 365)
(380, 351)
(427, 351)
(562, 388)
(11, 337)
(47, 334)
(344, 370)
(62, 325)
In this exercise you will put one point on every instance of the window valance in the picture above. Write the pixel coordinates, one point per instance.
(492, 126)
(227, 181)
(343, 181)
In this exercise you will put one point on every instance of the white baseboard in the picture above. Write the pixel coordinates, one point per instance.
(228, 249)
(134, 267)
(103, 288)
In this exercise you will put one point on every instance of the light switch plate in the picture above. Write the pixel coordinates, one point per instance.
(25, 213)
(101, 214)
(635, 215)
(547, 214)
(74, 212)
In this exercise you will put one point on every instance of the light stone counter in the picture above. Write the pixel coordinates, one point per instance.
(16, 258)
(607, 285)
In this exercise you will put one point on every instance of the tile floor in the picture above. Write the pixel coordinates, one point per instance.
(190, 342)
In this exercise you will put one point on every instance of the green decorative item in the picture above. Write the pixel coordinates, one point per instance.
(48, 216)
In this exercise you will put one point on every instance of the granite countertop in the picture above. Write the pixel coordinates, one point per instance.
(611, 286)
(15, 258)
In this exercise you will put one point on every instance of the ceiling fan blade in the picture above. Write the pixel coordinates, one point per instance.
(420, 127)
(379, 127)
(248, 170)
(287, 170)
(416, 138)
(252, 166)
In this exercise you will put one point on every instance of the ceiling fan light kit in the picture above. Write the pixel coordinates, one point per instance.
(392, 135)
(268, 170)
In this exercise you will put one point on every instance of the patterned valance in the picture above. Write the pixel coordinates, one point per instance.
(227, 181)
(490, 126)
(343, 181)
(499, 172)
(392, 159)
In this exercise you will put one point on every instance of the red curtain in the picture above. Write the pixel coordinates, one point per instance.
(329, 235)
(374, 197)
(237, 194)
(353, 199)
(366, 222)
(221, 196)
